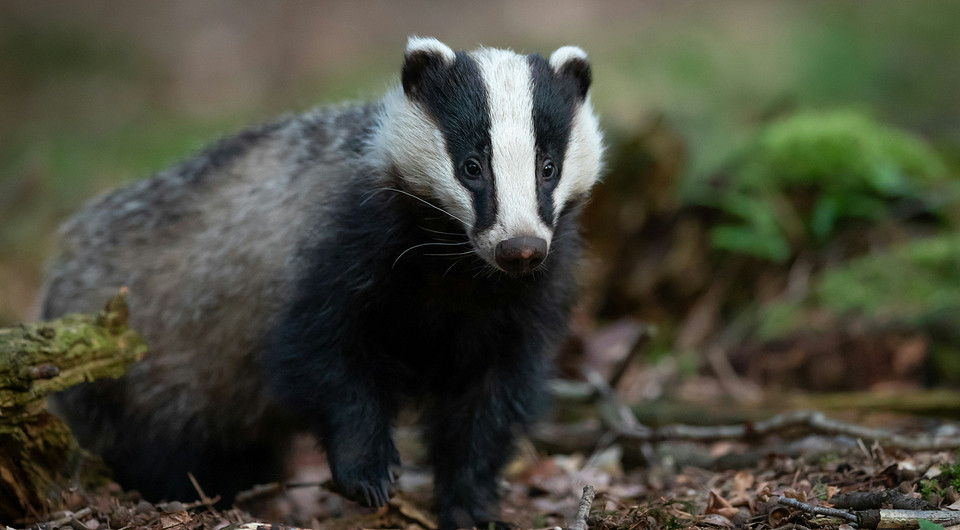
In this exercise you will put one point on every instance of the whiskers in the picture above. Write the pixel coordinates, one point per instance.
(435, 243)
(449, 239)
(372, 192)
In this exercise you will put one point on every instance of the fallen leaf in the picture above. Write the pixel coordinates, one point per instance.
(718, 505)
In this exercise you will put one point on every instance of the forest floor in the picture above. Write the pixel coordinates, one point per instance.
(736, 485)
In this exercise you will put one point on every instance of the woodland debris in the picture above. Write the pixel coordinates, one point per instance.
(818, 510)
(619, 419)
(586, 501)
(867, 500)
(870, 519)
(38, 454)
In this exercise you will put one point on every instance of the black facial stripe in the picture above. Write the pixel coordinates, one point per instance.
(456, 99)
(555, 99)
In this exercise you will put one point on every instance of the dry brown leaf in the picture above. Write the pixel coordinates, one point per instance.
(175, 520)
(743, 481)
(413, 513)
(718, 505)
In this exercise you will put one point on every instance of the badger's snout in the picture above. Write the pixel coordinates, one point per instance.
(521, 254)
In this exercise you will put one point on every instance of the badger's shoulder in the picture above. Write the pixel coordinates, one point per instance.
(262, 185)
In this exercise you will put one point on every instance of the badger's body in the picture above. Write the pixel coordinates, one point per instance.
(312, 273)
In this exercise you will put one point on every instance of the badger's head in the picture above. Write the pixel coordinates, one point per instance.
(502, 142)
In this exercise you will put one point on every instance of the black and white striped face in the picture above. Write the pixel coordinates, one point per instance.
(503, 141)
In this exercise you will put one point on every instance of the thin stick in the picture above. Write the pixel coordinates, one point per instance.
(69, 517)
(272, 488)
(586, 501)
(203, 496)
(818, 510)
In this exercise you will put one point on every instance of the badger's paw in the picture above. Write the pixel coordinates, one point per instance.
(369, 484)
(373, 493)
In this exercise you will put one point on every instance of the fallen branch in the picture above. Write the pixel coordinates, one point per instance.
(870, 519)
(870, 500)
(818, 510)
(807, 421)
(619, 419)
(583, 511)
(38, 454)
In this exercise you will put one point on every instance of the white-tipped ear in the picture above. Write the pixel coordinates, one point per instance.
(431, 46)
(566, 54)
(571, 62)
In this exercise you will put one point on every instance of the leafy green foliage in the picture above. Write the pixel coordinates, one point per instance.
(951, 473)
(908, 282)
(929, 489)
(805, 175)
(914, 283)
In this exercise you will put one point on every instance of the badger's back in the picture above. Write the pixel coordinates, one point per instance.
(209, 253)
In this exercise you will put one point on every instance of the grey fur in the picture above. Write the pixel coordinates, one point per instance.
(210, 253)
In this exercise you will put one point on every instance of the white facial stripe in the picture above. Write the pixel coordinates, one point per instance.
(510, 102)
(410, 139)
(581, 163)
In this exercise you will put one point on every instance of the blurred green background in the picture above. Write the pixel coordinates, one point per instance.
(807, 152)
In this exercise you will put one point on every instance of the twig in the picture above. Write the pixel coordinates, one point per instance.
(586, 501)
(811, 421)
(207, 501)
(644, 336)
(740, 390)
(69, 517)
(272, 488)
(818, 510)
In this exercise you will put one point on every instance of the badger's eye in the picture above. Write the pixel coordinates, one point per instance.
(549, 170)
(472, 168)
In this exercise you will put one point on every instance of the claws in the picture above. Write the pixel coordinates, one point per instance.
(367, 493)
(366, 478)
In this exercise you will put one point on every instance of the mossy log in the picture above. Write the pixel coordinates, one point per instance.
(38, 455)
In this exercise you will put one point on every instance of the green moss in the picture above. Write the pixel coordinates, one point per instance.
(907, 283)
(915, 284)
(838, 150)
(804, 176)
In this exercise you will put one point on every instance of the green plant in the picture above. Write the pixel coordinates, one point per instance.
(929, 488)
(805, 175)
(951, 473)
(909, 282)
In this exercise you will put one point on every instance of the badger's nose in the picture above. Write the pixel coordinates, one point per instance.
(521, 254)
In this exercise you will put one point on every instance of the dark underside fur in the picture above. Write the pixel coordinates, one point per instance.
(369, 329)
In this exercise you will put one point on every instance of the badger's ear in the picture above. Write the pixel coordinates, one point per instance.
(571, 62)
(423, 55)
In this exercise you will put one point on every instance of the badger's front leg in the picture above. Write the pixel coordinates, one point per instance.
(348, 411)
(354, 428)
(475, 424)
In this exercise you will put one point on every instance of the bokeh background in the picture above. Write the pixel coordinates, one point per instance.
(782, 200)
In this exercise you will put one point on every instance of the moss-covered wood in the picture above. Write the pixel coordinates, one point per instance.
(38, 455)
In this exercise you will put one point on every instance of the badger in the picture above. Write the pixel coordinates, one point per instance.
(317, 272)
